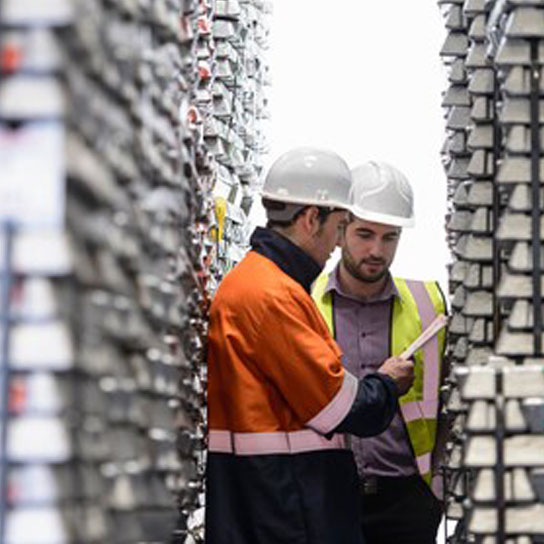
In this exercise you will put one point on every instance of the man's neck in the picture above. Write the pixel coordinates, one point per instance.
(294, 237)
(358, 288)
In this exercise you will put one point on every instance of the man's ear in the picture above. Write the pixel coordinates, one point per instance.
(309, 220)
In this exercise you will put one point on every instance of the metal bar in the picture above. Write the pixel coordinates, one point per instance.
(496, 209)
(5, 267)
(499, 469)
(535, 186)
(1, 30)
(5, 284)
(444, 501)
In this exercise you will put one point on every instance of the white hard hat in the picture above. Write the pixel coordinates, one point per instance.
(382, 194)
(309, 176)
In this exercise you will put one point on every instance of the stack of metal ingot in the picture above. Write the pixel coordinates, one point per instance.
(234, 131)
(112, 250)
(496, 387)
(505, 437)
(456, 155)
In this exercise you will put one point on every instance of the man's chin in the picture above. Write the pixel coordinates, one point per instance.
(359, 274)
(372, 278)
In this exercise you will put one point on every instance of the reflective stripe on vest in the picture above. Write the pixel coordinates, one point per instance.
(417, 305)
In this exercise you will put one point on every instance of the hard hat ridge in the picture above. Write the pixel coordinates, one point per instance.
(382, 193)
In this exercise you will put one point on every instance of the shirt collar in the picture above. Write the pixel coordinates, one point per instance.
(389, 291)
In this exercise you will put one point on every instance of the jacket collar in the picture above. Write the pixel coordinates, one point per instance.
(292, 260)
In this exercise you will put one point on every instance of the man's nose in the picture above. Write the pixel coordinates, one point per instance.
(377, 249)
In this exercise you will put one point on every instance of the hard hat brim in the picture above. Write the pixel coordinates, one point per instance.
(383, 218)
(305, 201)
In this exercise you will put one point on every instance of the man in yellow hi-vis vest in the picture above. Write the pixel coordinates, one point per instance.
(373, 316)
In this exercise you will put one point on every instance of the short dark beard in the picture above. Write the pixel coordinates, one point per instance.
(352, 268)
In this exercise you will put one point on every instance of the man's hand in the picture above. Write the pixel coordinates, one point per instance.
(401, 371)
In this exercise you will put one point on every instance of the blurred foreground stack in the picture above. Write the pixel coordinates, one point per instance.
(130, 151)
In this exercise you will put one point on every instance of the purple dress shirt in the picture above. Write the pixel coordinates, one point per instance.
(363, 332)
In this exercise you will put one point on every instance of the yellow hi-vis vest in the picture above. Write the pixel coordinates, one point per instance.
(413, 311)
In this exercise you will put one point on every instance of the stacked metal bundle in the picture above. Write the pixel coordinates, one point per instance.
(495, 282)
(505, 437)
(106, 205)
(233, 131)
(519, 33)
(457, 156)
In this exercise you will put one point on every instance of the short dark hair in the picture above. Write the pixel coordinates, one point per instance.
(323, 213)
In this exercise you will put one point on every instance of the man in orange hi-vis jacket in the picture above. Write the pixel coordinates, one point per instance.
(279, 470)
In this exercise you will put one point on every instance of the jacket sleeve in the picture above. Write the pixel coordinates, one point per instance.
(303, 362)
(373, 407)
(300, 360)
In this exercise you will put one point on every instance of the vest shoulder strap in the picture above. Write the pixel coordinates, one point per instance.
(323, 300)
(421, 294)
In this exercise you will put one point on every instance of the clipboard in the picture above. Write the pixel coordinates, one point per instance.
(437, 325)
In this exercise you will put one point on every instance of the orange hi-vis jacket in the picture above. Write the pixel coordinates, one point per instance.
(263, 343)
(277, 390)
